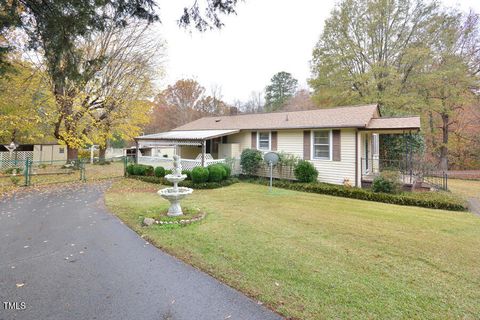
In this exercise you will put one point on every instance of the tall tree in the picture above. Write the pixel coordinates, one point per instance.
(301, 100)
(254, 104)
(117, 97)
(26, 105)
(57, 29)
(369, 49)
(281, 88)
(183, 102)
(404, 55)
(450, 81)
(55, 25)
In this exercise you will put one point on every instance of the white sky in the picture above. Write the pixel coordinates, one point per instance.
(265, 37)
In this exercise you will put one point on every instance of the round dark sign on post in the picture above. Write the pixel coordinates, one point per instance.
(272, 159)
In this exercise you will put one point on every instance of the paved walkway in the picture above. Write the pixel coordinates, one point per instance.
(474, 205)
(66, 257)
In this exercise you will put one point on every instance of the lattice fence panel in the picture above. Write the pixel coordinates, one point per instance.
(15, 160)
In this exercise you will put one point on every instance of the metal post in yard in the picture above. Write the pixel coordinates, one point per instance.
(83, 176)
(271, 175)
(446, 181)
(25, 173)
(125, 166)
(203, 153)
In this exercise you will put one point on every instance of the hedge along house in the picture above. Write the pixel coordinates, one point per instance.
(342, 143)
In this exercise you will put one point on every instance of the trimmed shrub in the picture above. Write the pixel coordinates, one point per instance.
(139, 170)
(305, 171)
(228, 170)
(160, 172)
(433, 200)
(188, 183)
(200, 175)
(149, 170)
(250, 161)
(387, 182)
(188, 173)
(130, 169)
(216, 173)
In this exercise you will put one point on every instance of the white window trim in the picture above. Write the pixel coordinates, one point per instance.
(312, 146)
(269, 140)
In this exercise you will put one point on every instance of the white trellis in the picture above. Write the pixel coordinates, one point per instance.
(14, 159)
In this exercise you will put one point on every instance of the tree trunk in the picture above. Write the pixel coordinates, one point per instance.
(72, 154)
(444, 147)
(101, 154)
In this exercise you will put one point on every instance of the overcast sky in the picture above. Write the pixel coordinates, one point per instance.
(265, 37)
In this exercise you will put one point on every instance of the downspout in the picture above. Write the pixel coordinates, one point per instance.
(137, 150)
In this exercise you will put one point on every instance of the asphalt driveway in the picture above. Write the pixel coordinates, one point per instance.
(63, 256)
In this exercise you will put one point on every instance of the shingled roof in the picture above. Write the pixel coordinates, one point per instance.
(394, 123)
(341, 117)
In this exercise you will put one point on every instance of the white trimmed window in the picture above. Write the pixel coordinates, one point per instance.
(264, 140)
(322, 144)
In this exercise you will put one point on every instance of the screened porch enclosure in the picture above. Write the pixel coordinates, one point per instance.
(413, 170)
(195, 148)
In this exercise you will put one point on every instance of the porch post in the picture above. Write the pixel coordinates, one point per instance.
(203, 153)
(137, 151)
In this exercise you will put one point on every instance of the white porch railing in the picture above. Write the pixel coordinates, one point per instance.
(187, 164)
(156, 162)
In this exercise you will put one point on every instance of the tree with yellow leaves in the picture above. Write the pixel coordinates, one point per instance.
(25, 103)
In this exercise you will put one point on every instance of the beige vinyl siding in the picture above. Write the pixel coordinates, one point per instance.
(243, 138)
(190, 152)
(336, 171)
(290, 141)
(49, 152)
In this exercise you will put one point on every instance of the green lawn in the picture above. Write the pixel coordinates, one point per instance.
(52, 174)
(312, 256)
(465, 188)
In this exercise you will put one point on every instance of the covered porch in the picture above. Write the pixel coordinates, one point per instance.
(414, 172)
(195, 147)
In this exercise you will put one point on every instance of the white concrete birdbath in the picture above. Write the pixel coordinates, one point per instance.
(175, 194)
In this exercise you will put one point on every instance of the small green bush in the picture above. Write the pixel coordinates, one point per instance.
(216, 173)
(160, 172)
(149, 171)
(15, 180)
(200, 175)
(387, 182)
(17, 170)
(189, 183)
(188, 173)
(139, 170)
(228, 170)
(305, 171)
(130, 169)
(250, 161)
